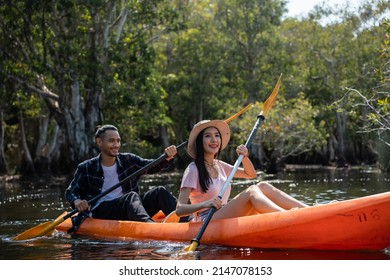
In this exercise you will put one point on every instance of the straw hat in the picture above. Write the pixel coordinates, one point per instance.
(222, 126)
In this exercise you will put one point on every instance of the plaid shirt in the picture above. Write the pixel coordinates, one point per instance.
(88, 179)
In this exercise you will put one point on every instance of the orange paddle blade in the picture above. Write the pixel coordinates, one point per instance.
(271, 99)
(192, 247)
(44, 229)
(243, 110)
(171, 218)
(32, 232)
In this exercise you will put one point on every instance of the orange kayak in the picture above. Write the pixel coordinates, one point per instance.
(355, 224)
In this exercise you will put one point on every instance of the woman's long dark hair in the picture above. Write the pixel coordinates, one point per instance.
(204, 176)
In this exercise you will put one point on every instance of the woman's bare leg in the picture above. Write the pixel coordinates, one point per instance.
(263, 197)
(279, 197)
(246, 202)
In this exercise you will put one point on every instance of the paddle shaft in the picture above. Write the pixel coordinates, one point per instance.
(197, 238)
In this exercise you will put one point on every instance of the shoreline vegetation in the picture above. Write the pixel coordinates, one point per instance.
(69, 66)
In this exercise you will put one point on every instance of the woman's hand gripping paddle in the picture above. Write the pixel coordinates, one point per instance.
(266, 107)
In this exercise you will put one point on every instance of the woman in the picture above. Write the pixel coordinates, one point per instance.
(205, 176)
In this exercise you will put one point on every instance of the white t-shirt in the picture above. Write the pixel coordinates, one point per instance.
(110, 179)
(191, 180)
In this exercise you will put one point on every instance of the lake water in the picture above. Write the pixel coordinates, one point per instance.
(25, 206)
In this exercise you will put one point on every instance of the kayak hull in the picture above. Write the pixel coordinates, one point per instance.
(355, 224)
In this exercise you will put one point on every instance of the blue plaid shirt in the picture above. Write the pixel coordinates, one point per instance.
(88, 179)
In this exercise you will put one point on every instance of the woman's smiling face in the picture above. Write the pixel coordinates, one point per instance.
(211, 140)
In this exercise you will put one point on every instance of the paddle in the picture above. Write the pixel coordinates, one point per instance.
(47, 227)
(266, 107)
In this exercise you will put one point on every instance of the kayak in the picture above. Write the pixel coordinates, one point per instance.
(354, 224)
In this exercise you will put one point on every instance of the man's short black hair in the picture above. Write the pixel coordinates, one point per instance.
(101, 129)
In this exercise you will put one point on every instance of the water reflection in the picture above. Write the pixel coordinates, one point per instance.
(85, 249)
(22, 207)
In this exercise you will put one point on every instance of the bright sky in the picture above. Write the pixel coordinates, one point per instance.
(302, 7)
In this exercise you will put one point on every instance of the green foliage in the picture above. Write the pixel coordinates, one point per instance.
(251, 45)
(289, 129)
(153, 66)
(29, 105)
(379, 106)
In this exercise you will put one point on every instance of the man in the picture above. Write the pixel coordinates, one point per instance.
(98, 174)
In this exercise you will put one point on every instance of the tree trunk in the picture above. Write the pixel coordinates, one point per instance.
(164, 136)
(383, 151)
(28, 169)
(340, 123)
(260, 160)
(77, 136)
(3, 163)
(41, 158)
(57, 139)
(330, 150)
